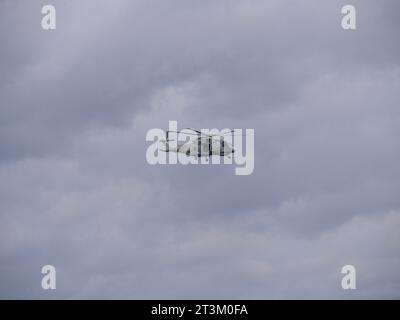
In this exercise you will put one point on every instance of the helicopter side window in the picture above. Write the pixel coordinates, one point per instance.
(221, 147)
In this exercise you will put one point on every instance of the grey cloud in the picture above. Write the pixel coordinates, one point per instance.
(76, 190)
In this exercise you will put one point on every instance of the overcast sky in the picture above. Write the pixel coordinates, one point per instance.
(76, 191)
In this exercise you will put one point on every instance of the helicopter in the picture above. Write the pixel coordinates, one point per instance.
(204, 145)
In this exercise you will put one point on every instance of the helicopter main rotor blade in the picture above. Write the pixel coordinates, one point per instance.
(199, 133)
(210, 135)
(192, 134)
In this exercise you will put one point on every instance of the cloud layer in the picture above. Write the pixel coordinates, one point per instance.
(76, 191)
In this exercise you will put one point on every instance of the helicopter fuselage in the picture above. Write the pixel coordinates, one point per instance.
(203, 148)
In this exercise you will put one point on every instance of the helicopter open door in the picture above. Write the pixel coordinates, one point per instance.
(194, 150)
